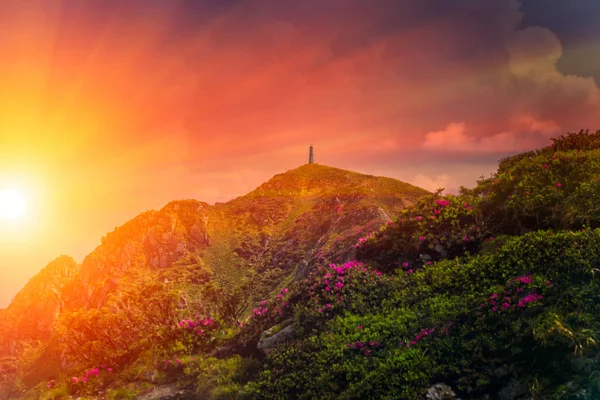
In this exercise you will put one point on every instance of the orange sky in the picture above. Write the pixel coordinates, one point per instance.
(111, 108)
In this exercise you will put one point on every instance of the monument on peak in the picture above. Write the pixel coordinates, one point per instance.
(311, 155)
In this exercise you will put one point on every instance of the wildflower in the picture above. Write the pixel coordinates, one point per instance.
(83, 379)
(525, 279)
(428, 262)
(421, 238)
(494, 309)
(436, 211)
(506, 305)
(493, 296)
(418, 218)
(75, 379)
(320, 310)
(405, 264)
(360, 327)
(109, 370)
(410, 271)
(328, 305)
(558, 184)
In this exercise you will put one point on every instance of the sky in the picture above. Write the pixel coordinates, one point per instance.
(110, 108)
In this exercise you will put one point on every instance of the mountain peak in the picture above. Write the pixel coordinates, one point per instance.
(317, 179)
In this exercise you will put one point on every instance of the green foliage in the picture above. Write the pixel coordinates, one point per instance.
(439, 324)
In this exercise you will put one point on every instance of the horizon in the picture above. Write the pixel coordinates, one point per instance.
(115, 108)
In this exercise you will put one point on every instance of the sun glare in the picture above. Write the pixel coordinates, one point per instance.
(12, 204)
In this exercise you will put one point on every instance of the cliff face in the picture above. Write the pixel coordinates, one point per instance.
(33, 311)
(153, 240)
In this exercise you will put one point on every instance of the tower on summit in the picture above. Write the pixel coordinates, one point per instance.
(311, 155)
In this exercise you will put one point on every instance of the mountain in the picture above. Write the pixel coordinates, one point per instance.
(311, 214)
(274, 235)
(282, 294)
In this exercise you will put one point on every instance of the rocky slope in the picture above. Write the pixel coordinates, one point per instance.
(310, 214)
(31, 314)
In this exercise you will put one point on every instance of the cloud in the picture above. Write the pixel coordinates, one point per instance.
(128, 107)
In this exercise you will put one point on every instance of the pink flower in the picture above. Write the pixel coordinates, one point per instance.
(320, 310)
(109, 370)
(405, 264)
(328, 305)
(494, 309)
(525, 279)
(495, 295)
(75, 379)
(83, 379)
(360, 327)
(506, 305)
(436, 211)
(558, 184)
(428, 262)
(410, 271)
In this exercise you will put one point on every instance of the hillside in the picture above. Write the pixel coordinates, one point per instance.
(489, 294)
(188, 258)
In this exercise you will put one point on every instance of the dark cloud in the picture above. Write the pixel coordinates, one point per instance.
(575, 23)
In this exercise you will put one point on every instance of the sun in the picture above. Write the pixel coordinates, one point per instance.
(12, 204)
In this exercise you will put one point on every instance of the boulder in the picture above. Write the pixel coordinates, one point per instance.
(276, 335)
(440, 391)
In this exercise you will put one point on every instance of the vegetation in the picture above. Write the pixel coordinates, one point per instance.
(492, 292)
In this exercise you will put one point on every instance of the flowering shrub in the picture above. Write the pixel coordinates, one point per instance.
(194, 334)
(452, 321)
(329, 291)
(433, 229)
